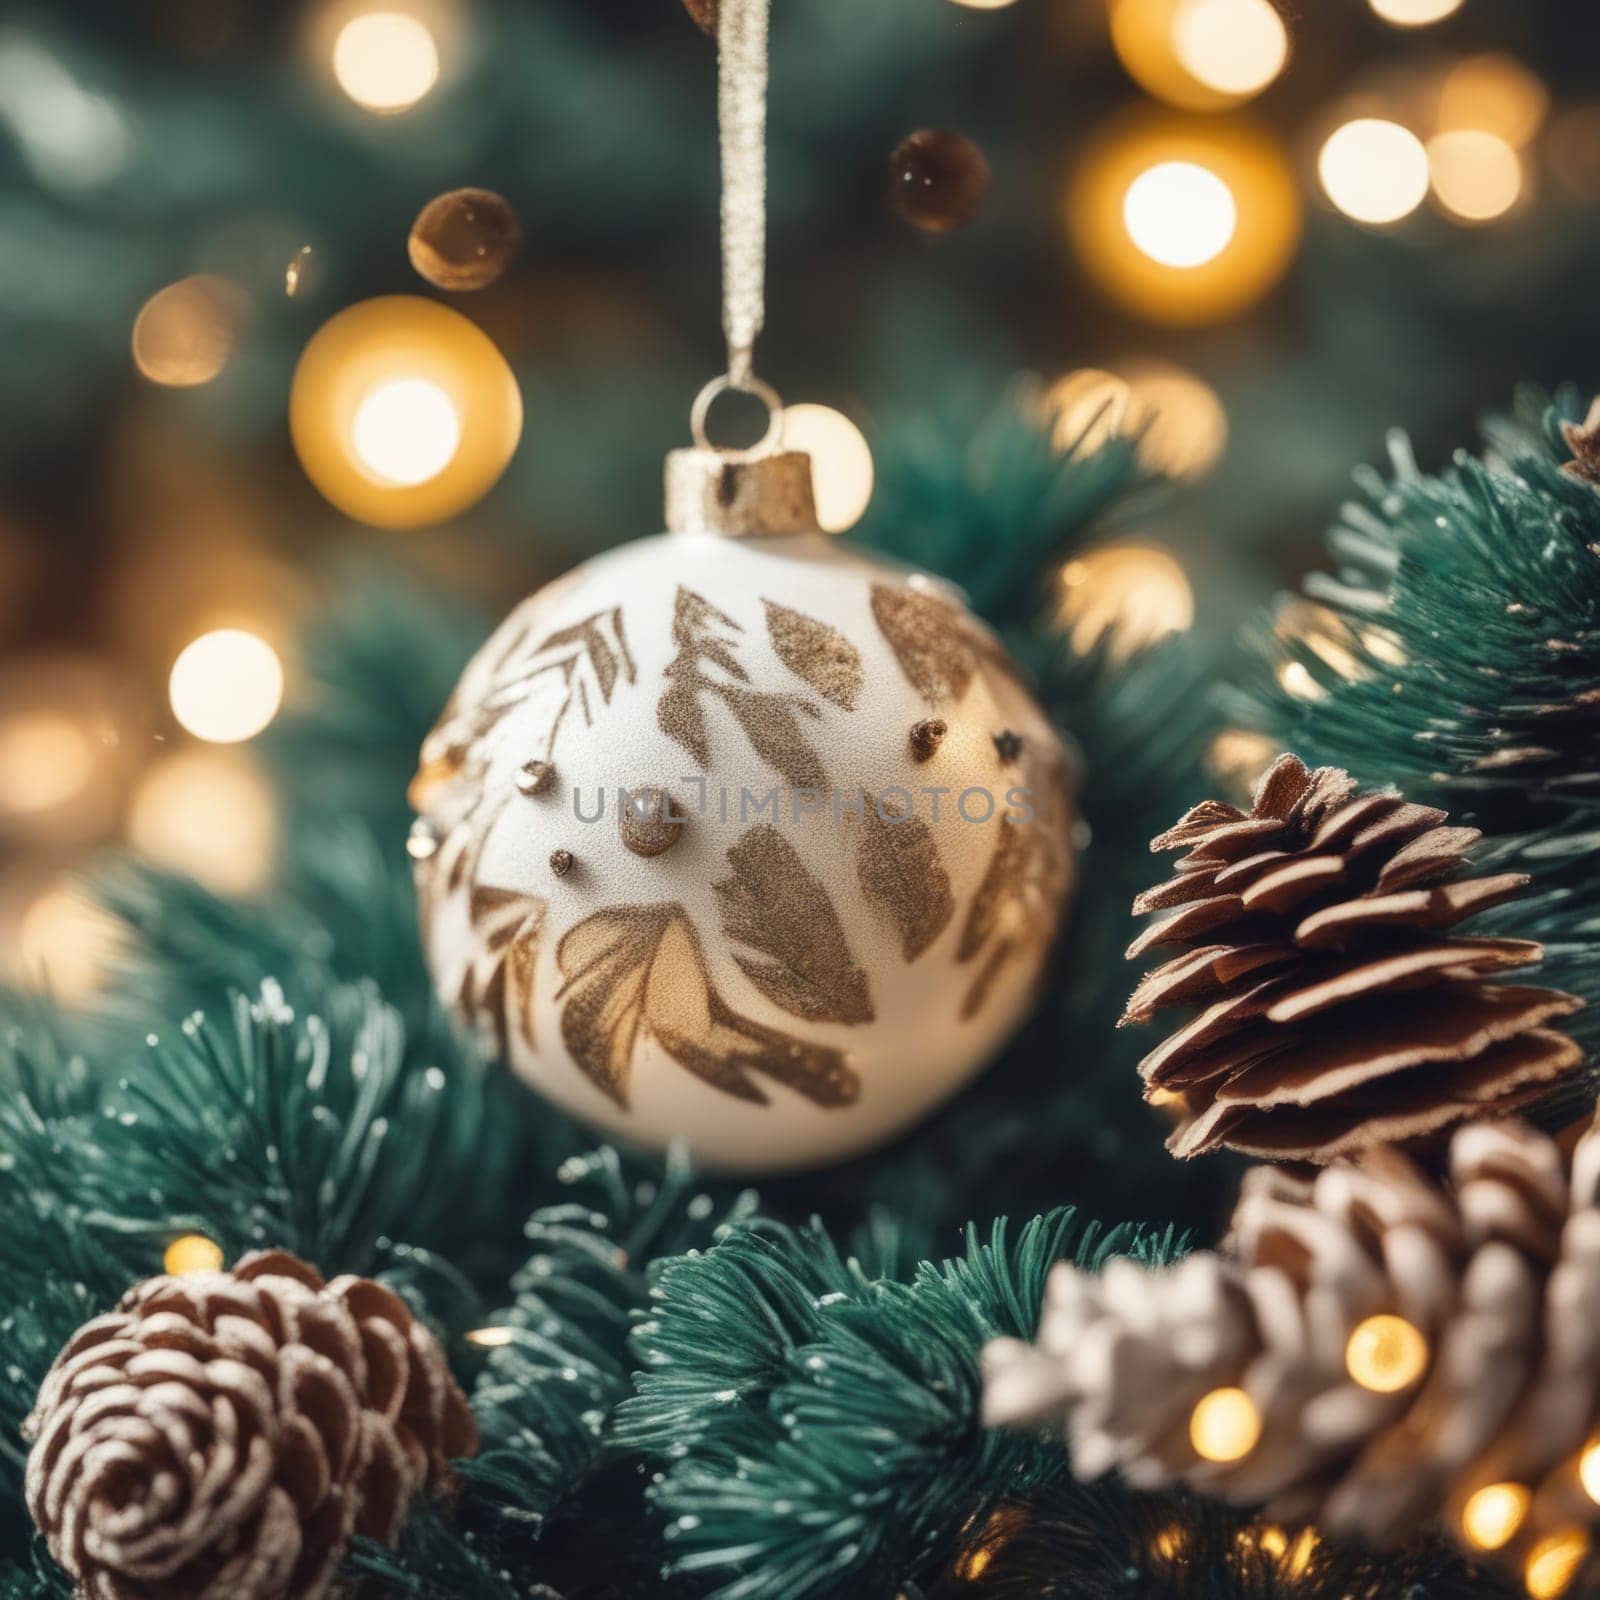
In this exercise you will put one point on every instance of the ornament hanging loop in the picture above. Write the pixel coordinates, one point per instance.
(770, 441)
(742, 128)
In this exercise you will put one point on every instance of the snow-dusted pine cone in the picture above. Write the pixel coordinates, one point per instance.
(1332, 1008)
(221, 1436)
(1369, 1351)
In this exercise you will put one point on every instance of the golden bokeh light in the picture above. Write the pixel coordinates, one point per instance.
(1180, 213)
(1373, 170)
(1171, 1542)
(1185, 426)
(490, 1338)
(403, 412)
(1495, 93)
(192, 1253)
(1493, 1514)
(1124, 596)
(1086, 409)
(1238, 757)
(405, 431)
(1236, 47)
(226, 685)
(1554, 1562)
(207, 813)
(47, 759)
(62, 943)
(1186, 220)
(185, 333)
(1385, 1353)
(841, 462)
(1589, 1470)
(984, 5)
(386, 61)
(1415, 13)
(1224, 1426)
(1476, 175)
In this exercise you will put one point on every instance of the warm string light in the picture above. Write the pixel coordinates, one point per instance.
(226, 686)
(403, 412)
(62, 943)
(47, 760)
(208, 813)
(1554, 1563)
(1186, 220)
(1589, 1470)
(1373, 170)
(1224, 1426)
(1415, 13)
(1236, 47)
(1180, 213)
(491, 1338)
(1126, 595)
(1494, 93)
(1476, 175)
(386, 61)
(1493, 1514)
(841, 462)
(192, 1253)
(1181, 426)
(1385, 1354)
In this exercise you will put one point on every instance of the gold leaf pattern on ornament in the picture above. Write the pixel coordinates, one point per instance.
(639, 971)
(1014, 909)
(816, 653)
(700, 632)
(929, 638)
(775, 906)
(898, 866)
(497, 988)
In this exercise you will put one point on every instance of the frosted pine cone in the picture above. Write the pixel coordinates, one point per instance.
(1368, 1351)
(221, 1436)
(1334, 1008)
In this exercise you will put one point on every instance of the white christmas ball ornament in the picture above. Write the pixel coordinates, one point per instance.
(753, 841)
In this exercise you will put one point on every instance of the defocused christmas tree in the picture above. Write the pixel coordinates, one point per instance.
(274, 1212)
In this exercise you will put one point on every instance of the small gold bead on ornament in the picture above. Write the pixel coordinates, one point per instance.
(534, 777)
(926, 737)
(561, 862)
(464, 239)
(649, 822)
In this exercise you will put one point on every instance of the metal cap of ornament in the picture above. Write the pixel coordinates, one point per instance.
(1368, 1351)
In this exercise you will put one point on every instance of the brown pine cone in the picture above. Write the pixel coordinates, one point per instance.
(1368, 1352)
(221, 1436)
(1334, 1009)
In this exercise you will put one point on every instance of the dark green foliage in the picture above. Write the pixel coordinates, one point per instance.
(819, 1427)
(1071, 1543)
(986, 499)
(1487, 578)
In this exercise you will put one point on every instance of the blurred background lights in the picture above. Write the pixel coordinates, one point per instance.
(385, 61)
(1236, 47)
(1087, 409)
(69, 137)
(1476, 175)
(1124, 596)
(46, 761)
(1494, 92)
(1224, 1425)
(1385, 1353)
(403, 412)
(226, 685)
(63, 943)
(1177, 417)
(207, 813)
(405, 431)
(1493, 1514)
(1180, 213)
(1415, 13)
(841, 462)
(1374, 171)
(984, 5)
(185, 333)
(1554, 1562)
